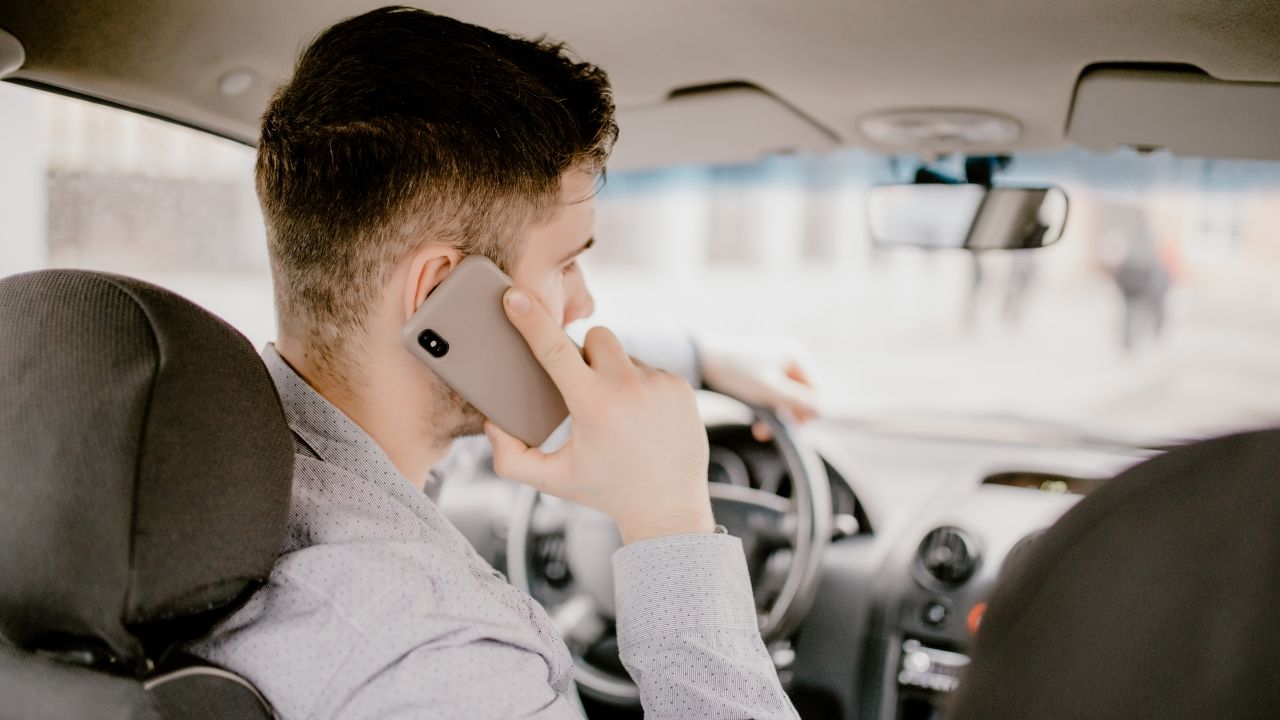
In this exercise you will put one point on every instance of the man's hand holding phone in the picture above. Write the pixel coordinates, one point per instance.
(638, 451)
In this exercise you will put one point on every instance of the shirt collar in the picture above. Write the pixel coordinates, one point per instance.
(322, 430)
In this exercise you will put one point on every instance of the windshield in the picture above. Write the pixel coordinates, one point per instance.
(1155, 318)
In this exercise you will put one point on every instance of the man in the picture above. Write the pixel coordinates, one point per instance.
(404, 142)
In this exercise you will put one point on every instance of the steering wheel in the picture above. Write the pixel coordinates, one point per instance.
(560, 553)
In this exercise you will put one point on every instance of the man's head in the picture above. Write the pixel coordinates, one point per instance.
(404, 141)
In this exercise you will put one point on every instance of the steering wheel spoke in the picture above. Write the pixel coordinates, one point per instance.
(550, 516)
(750, 496)
(749, 511)
(762, 521)
(579, 622)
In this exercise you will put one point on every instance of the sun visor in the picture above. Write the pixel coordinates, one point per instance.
(11, 53)
(714, 124)
(1179, 109)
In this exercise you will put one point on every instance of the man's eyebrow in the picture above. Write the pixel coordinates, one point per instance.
(585, 247)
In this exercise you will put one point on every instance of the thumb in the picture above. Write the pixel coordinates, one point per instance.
(514, 460)
(797, 398)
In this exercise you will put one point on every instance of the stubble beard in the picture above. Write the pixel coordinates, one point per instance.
(450, 416)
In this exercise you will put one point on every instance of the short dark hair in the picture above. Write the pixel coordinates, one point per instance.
(399, 125)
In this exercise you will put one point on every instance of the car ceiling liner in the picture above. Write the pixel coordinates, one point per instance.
(1178, 108)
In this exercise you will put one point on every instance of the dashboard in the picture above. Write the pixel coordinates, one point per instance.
(898, 604)
(923, 527)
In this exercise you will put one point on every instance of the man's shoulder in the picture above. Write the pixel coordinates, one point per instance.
(377, 562)
(335, 615)
(360, 578)
(330, 617)
(336, 589)
(330, 504)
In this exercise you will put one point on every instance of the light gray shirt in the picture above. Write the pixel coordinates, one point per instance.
(379, 608)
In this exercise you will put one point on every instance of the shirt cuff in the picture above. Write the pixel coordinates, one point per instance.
(668, 584)
(676, 354)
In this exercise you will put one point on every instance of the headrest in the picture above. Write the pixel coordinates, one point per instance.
(1153, 597)
(145, 466)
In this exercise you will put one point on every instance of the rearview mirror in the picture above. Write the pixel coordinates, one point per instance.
(969, 217)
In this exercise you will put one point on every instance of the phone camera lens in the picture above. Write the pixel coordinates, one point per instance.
(433, 343)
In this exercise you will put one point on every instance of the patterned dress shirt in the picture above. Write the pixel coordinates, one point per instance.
(379, 608)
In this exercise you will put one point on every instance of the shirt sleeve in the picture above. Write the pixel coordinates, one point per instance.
(688, 633)
(676, 354)
(482, 679)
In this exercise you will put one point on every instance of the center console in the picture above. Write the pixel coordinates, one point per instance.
(925, 676)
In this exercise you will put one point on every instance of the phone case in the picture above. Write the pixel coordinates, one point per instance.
(486, 361)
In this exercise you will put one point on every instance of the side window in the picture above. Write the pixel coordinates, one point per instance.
(88, 186)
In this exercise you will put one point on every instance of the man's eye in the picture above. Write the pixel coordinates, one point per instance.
(569, 267)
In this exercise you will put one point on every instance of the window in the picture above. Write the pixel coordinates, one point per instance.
(1153, 319)
(88, 186)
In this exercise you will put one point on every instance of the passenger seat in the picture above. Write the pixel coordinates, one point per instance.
(1155, 597)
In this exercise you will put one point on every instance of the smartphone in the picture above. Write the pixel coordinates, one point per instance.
(461, 333)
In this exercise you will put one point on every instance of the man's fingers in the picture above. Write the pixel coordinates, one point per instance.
(761, 431)
(798, 373)
(551, 347)
(604, 352)
(514, 460)
(797, 399)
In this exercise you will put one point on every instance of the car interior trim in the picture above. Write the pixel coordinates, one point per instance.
(12, 54)
(1176, 108)
(219, 673)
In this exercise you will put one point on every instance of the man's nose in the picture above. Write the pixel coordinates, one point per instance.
(580, 304)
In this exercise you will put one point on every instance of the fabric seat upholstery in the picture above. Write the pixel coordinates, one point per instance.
(1155, 597)
(145, 470)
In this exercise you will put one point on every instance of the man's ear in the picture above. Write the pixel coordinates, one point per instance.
(428, 267)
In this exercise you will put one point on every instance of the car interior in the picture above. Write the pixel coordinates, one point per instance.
(1029, 250)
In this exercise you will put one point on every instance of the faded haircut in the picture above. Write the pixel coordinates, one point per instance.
(399, 126)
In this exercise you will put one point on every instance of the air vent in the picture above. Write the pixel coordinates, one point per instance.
(949, 555)
(1046, 482)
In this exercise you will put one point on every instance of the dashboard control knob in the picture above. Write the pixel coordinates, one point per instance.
(934, 614)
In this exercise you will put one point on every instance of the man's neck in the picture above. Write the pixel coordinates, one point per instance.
(379, 410)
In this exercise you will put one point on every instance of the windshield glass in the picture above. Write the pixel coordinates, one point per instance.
(1154, 319)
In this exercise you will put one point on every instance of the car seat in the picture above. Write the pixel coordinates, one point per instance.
(1154, 597)
(145, 469)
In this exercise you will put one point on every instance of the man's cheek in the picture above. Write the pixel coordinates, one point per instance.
(552, 298)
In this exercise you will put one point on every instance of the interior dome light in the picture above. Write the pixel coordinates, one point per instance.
(236, 82)
(939, 130)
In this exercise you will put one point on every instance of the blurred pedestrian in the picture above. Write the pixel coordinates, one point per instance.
(1130, 255)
